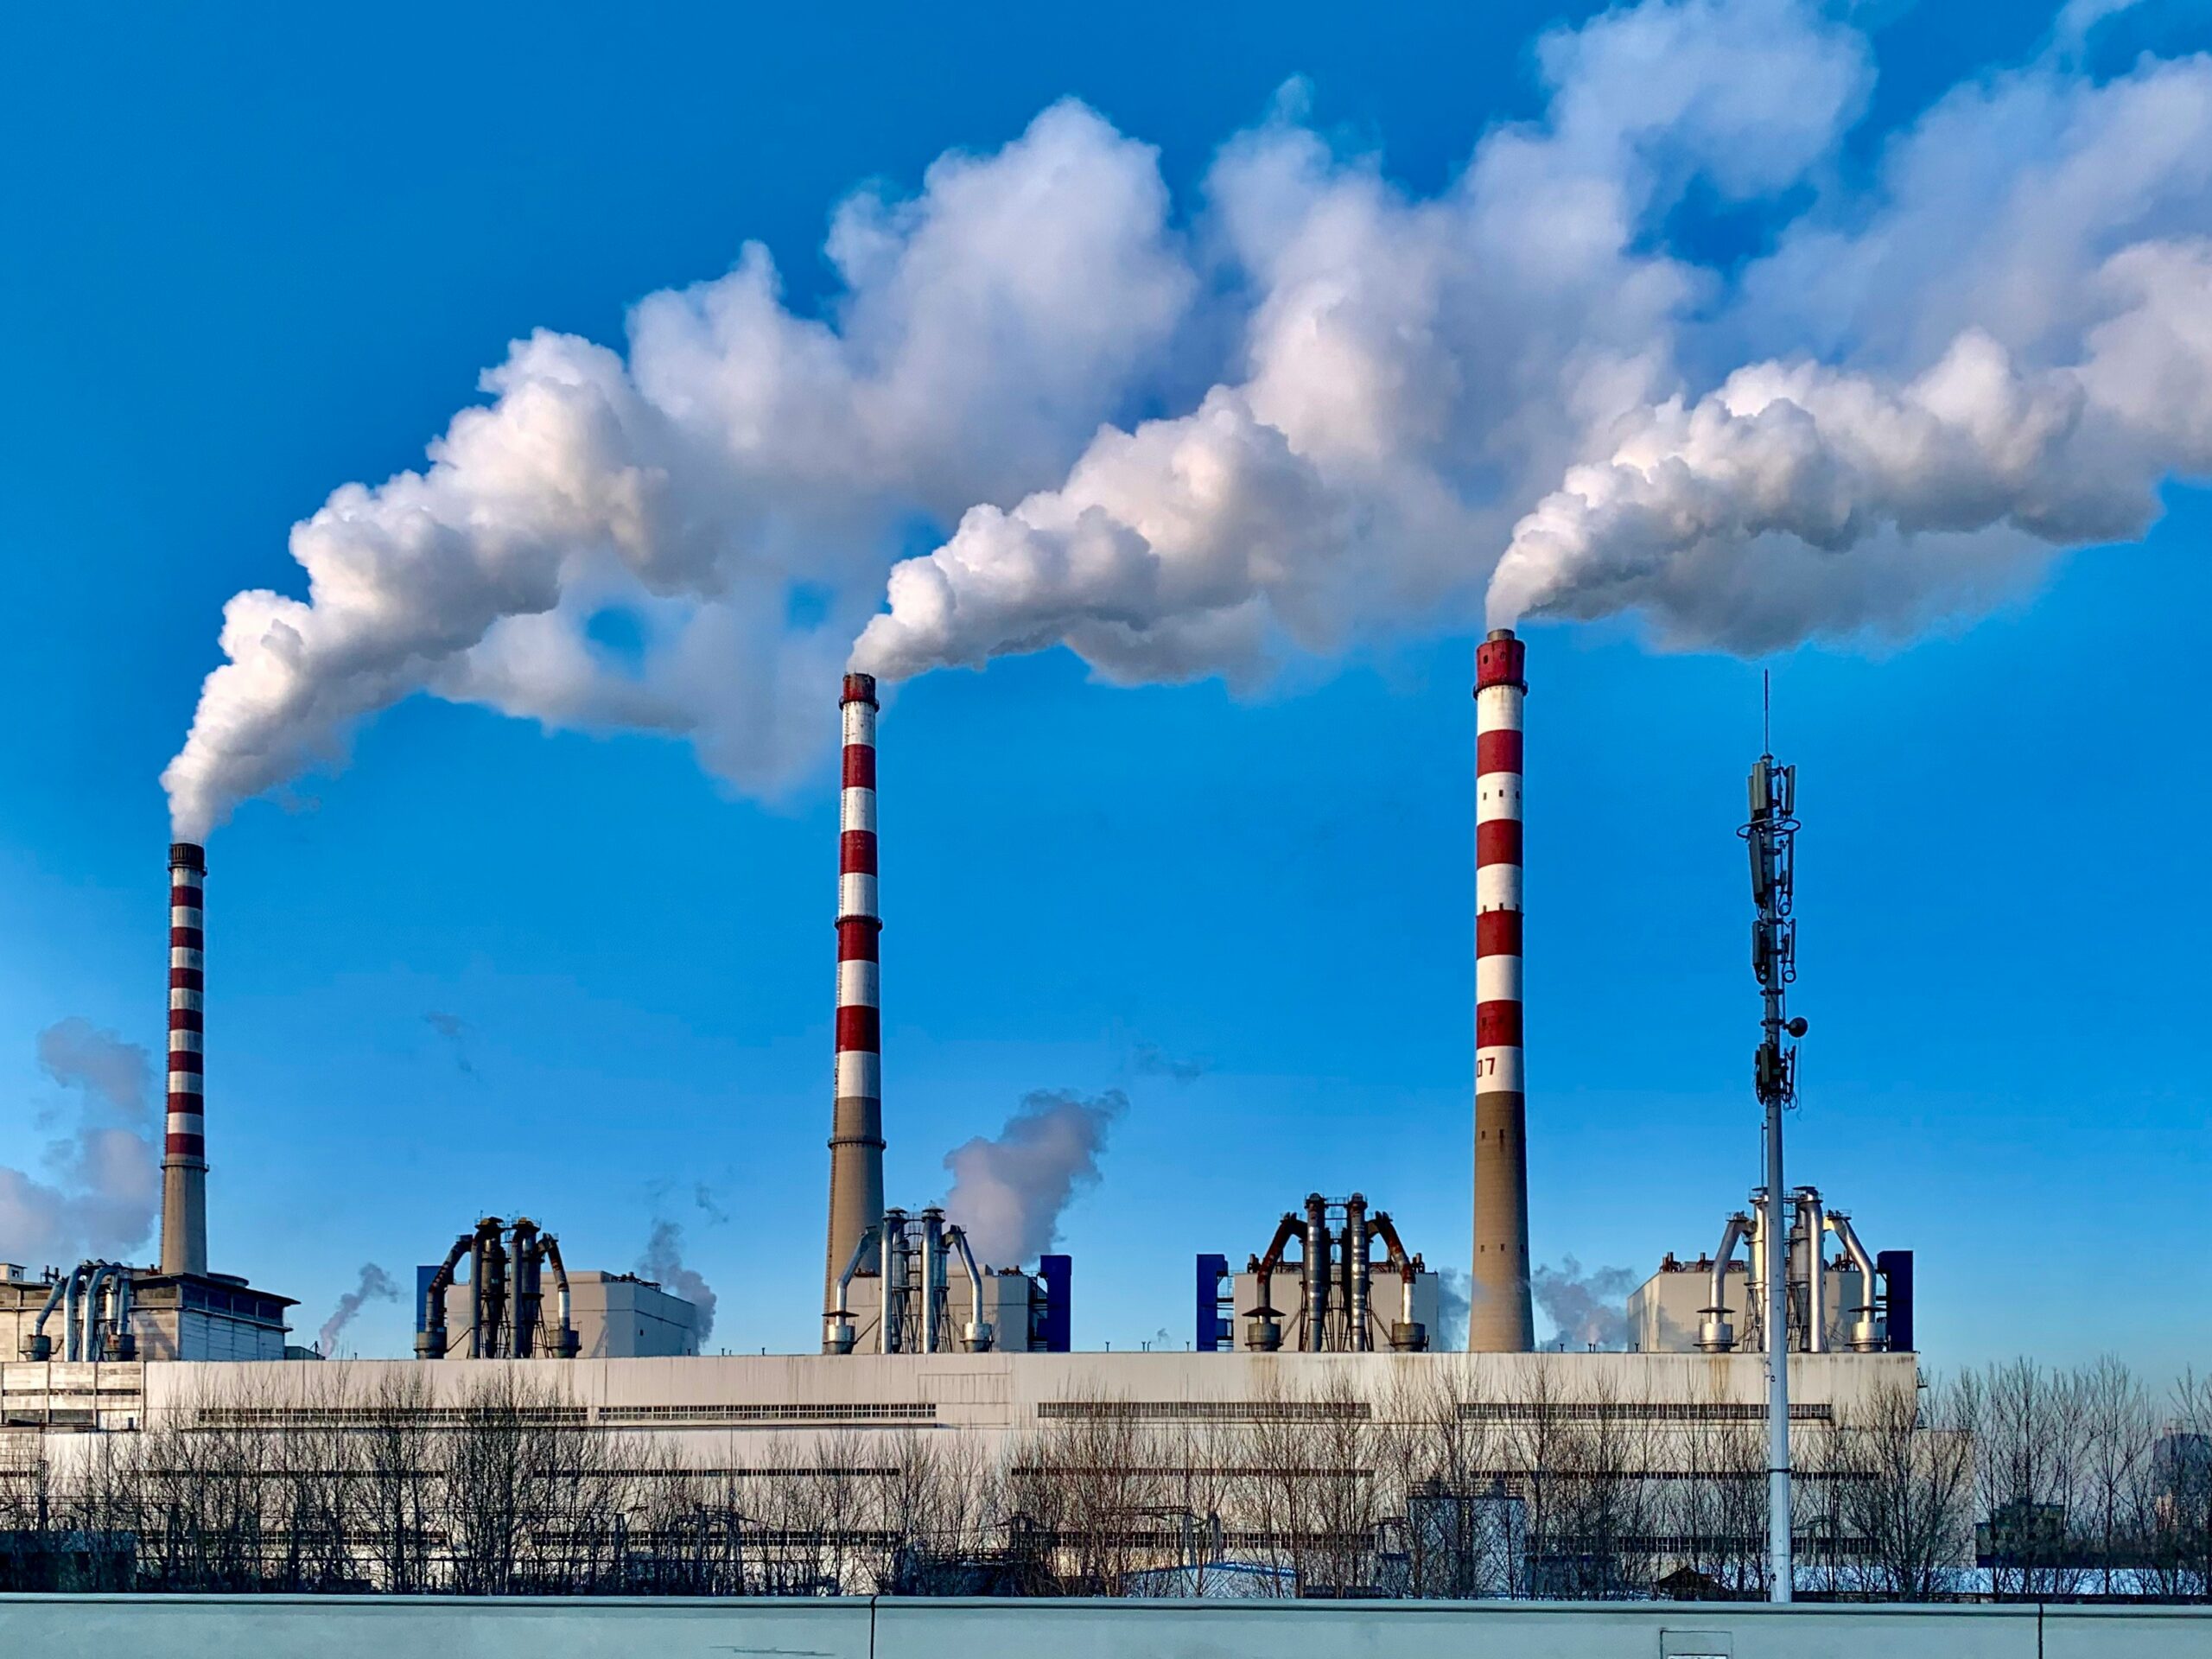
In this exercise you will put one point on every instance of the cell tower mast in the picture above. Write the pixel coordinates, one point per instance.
(1771, 835)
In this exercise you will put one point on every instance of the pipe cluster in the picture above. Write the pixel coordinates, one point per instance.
(914, 1258)
(506, 1267)
(1335, 1267)
(1813, 1222)
(95, 1301)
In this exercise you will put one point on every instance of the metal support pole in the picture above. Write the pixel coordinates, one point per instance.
(1770, 837)
(1777, 1364)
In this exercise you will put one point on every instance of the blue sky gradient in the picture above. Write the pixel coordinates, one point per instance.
(253, 255)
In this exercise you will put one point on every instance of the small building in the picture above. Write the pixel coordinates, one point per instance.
(1665, 1311)
(110, 1311)
(621, 1316)
(615, 1316)
(1028, 1314)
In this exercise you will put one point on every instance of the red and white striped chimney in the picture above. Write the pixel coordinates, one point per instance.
(184, 1154)
(1499, 1318)
(856, 1131)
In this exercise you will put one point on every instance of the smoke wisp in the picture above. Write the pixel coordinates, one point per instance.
(452, 1032)
(1585, 1308)
(1381, 412)
(1455, 1300)
(661, 1261)
(376, 1285)
(102, 1167)
(1009, 1192)
(1150, 1060)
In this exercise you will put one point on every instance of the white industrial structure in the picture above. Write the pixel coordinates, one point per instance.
(1352, 1287)
(611, 1316)
(101, 1311)
(1857, 1303)
(736, 1411)
(901, 1293)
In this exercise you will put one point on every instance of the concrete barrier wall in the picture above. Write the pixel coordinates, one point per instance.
(390, 1627)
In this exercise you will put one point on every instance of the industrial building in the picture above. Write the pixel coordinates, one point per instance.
(1338, 1302)
(501, 1309)
(899, 1295)
(1336, 1323)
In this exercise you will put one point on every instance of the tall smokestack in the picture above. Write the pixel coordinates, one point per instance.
(856, 1131)
(1500, 1320)
(184, 1155)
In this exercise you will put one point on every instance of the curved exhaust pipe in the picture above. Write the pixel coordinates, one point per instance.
(1408, 1335)
(837, 1334)
(1866, 1335)
(38, 1345)
(430, 1337)
(976, 1339)
(1715, 1335)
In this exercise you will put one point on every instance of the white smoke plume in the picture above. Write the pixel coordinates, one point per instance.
(1008, 1193)
(1585, 1308)
(376, 1285)
(2003, 348)
(661, 1261)
(1455, 1300)
(743, 465)
(1378, 413)
(103, 1169)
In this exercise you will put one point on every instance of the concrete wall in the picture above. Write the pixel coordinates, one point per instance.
(59, 1627)
(707, 1409)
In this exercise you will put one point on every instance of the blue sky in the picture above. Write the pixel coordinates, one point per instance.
(252, 257)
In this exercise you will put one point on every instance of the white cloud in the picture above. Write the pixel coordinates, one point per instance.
(103, 1178)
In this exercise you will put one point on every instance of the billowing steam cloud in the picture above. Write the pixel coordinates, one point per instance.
(105, 1183)
(661, 1261)
(1585, 1308)
(742, 466)
(1382, 412)
(376, 1285)
(2002, 349)
(1008, 1193)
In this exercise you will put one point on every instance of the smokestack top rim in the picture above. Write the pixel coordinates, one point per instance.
(859, 688)
(1502, 660)
(188, 855)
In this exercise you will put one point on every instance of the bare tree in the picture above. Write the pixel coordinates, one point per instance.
(2028, 1425)
(2177, 1547)
(1902, 1484)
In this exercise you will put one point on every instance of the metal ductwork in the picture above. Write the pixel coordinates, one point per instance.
(506, 1297)
(1866, 1334)
(1809, 1222)
(1407, 1334)
(94, 1301)
(1335, 1306)
(1317, 1272)
(914, 1256)
(1715, 1334)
